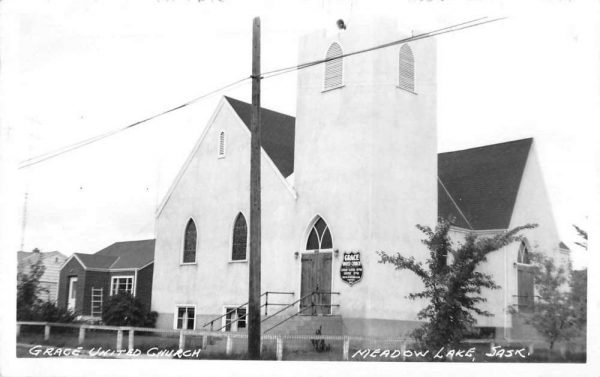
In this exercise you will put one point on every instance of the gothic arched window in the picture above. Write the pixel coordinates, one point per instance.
(333, 67)
(523, 256)
(240, 238)
(319, 237)
(189, 243)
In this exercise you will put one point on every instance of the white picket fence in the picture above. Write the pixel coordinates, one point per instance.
(280, 340)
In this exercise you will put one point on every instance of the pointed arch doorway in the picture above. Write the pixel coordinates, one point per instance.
(316, 271)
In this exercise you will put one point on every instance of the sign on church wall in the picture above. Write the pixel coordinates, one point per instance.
(351, 269)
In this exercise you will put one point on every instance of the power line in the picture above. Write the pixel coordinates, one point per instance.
(444, 30)
(69, 148)
(265, 75)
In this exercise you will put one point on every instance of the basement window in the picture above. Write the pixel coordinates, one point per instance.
(235, 318)
(186, 318)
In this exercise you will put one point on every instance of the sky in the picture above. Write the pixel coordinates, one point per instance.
(76, 69)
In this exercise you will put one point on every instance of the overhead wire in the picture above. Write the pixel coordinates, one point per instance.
(265, 75)
(71, 147)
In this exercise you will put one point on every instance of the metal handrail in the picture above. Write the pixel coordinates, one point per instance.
(286, 319)
(266, 294)
(287, 306)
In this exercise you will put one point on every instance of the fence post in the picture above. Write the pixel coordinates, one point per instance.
(279, 348)
(403, 350)
(46, 332)
(81, 335)
(204, 341)
(181, 340)
(563, 350)
(531, 348)
(130, 343)
(346, 348)
(492, 345)
(18, 329)
(119, 339)
(228, 346)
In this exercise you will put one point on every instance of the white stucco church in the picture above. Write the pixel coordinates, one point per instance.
(354, 171)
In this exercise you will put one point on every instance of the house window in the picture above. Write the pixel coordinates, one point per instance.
(121, 284)
(235, 319)
(222, 144)
(319, 237)
(189, 243)
(523, 256)
(240, 238)
(407, 69)
(333, 67)
(186, 318)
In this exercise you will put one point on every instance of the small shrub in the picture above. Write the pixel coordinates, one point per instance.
(123, 309)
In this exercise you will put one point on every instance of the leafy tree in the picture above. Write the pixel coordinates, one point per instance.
(554, 315)
(578, 285)
(583, 234)
(453, 290)
(29, 305)
(123, 309)
(28, 288)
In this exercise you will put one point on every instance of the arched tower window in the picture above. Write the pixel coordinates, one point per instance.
(523, 256)
(407, 68)
(189, 242)
(240, 238)
(333, 67)
(319, 237)
(222, 144)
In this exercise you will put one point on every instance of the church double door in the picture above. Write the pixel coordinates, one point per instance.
(316, 279)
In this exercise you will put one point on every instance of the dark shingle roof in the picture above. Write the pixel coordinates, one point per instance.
(127, 254)
(277, 134)
(483, 182)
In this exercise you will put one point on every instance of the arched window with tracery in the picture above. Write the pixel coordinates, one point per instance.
(189, 242)
(523, 256)
(319, 237)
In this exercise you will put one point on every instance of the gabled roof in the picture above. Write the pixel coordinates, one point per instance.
(120, 255)
(483, 183)
(277, 134)
(23, 255)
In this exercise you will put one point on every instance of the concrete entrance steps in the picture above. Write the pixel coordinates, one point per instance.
(306, 325)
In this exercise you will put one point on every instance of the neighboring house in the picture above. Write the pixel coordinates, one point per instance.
(52, 261)
(355, 171)
(87, 280)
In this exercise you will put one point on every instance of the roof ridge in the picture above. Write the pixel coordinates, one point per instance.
(487, 146)
(113, 263)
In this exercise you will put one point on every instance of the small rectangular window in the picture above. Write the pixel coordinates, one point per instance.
(235, 319)
(121, 284)
(186, 318)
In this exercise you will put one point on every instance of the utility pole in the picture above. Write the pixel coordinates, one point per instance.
(254, 334)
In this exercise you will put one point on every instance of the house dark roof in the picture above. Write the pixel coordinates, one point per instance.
(120, 255)
(277, 134)
(483, 182)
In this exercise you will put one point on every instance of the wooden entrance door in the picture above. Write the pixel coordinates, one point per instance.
(316, 277)
(525, 288)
